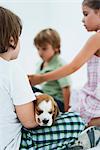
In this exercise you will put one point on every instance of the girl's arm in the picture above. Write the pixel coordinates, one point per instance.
(25, 114)
(89, 49)
(66, 97)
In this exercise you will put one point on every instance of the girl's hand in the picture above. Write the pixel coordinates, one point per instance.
(35, 79)
(94, 122)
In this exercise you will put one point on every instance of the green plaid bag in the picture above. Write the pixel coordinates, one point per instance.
(61, 135)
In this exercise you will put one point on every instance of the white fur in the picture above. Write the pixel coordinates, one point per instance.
(38, 93)
(46, 107)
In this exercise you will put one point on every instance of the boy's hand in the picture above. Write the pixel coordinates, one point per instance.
(35, 79)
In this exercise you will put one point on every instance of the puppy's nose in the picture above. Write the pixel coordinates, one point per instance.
(45, 121)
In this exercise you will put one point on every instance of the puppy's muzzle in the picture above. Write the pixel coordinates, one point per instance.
(45, 121)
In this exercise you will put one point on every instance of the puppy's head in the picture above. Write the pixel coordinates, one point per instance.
(46, 110)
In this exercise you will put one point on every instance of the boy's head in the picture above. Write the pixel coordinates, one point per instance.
(48, 36)
(10, 29)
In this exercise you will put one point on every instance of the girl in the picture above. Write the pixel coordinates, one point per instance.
(89, 96)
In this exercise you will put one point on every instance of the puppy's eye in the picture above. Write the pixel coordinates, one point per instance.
(40, 112)
(50, 112)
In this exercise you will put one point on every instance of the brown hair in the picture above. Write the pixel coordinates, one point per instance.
(10, 26)
(50, 36)
(94, 4)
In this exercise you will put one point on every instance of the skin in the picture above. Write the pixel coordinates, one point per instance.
(94, 122)
(46, 53)
(91, 21)
(24, 112)
(66, 96)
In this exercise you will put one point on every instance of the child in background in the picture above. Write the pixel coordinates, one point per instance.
(48, 45)
(17, 100)
(88, 98)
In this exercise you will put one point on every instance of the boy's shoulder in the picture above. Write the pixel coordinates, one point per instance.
(14, 65)
(61, 61)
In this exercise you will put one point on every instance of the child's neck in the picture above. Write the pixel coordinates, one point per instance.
(5, 56)
(45, 64)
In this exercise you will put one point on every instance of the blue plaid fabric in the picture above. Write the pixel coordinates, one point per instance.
(61, 135)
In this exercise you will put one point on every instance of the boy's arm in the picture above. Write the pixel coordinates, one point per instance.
(25, 114)
(66, 97)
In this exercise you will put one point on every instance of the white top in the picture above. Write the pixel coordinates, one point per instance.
(14, 90)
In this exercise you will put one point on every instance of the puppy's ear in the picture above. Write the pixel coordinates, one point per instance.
(56, 110)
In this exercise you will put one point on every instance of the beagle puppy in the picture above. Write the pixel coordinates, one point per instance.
(46, 109)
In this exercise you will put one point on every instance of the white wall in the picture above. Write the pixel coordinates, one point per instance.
(63, 15)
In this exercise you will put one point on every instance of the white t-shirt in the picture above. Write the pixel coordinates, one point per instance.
(14, 90)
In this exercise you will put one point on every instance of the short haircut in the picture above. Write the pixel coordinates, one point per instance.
(10, 26)
(48, 36)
